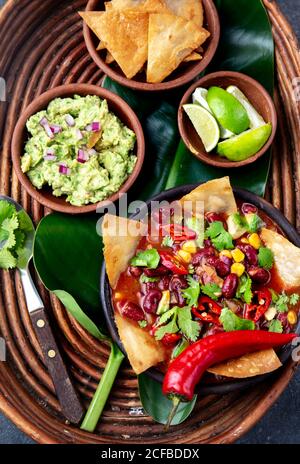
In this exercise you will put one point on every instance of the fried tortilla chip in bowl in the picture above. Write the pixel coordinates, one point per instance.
(151, 44)
(164, 288)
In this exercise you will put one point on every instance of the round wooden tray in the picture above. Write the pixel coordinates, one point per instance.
(42, 46)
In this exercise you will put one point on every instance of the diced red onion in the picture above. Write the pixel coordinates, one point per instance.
(92, 152)
(96, 126)
(50, 155)
(79, 135)
(88, 128)
(55, 128)
(70, 120)
(45, 124)
(63, 169)
(82, 156)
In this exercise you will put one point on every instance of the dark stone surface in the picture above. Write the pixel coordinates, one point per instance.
(282, 423)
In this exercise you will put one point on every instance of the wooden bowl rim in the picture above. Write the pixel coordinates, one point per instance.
(209, 7)
(206, 157)
(205, 388)
(41, 102)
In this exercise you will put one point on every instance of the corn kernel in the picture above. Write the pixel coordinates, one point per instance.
(292, 317)
(238, 269)
(118, 296)
(185, 256)
(238, 255)
(226, 253)
(244, 240)
(255, 241)
(190, 246)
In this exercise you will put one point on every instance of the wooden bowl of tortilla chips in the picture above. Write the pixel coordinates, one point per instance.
(236, 374)
(151, 45)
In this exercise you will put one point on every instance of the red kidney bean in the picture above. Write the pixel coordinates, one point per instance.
(248, 208)
(250, 253)
(150, 286)
(223, 268)
(177, 284)
(135, 271)
(259, 275)
(160, 271)
(131, 311)
(151, 301)
(230, 286)
(204, 253)
(213, 217)
(164, 283)
(212, 261)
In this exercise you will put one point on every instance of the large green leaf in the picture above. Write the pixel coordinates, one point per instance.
(159, 406)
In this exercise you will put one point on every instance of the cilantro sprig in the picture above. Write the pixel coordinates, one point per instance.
(283, 301)
(231, 321)
(220, 238)
(167, 241)
(191, 294)
(175, 320)
(212, 290)
(244, 291)
(148, 258)
(13, 229)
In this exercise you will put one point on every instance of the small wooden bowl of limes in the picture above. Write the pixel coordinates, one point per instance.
(227, 119)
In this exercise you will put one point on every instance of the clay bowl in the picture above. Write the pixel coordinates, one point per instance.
(255, 93)
(207, 387)
(184, 74)
(118, 106)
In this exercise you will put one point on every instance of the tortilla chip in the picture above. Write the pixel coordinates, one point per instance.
(216, 194)
(125, 35)
(142, 349)
(146, 6)
(109, 58)
(286, 257)
(192, 10)
(121, 237)
(101, 46)
(171, 40)
(93, 139)
(193, 57)
(250, 365)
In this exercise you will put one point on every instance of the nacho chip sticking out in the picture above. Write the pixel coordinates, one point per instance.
(192, 10)
(121, 237)
(216, 194)
(171, 40)
(193, 57)
(125, 35)
(142, 349)
(109, 58)
(146, 6)
(286, 257)
(250, 365)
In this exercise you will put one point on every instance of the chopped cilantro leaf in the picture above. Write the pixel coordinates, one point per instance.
(231, 321)
(265, 258)
(148, 258)
(244, 291)
(274, 294)
(294, 299)
(169, 328)
(168, 315)
(191, 294)
(282, 303)
(254, 222)
(10, 224)
(143, 324)
(220, 238)
(7, 260)
(212, 290)
(188, 327)
(239, 220)
(7, 210)
(275, 326)
(167, 241)
(145, 280)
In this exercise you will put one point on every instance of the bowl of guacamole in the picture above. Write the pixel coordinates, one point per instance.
(76, 147)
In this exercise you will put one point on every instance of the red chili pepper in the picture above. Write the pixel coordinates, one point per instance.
(186, 370)
(178, 233)
(207, 306)
(172, 263)
(264, 299)
(171, 339)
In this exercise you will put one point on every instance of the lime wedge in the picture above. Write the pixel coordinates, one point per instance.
(205, 124)
(256, 120)
(200, 98)
(228, 111)
(245, 145)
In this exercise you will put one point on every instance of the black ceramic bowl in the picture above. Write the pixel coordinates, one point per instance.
(216, 387)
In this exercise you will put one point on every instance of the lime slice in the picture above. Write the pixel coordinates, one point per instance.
(256, 120)
(200, 98)
(205, 124)
(245, 145)
(229, 112)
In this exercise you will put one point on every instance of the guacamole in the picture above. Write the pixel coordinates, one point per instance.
(80, 149)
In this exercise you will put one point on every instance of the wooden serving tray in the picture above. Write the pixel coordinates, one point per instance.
(42, 46)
